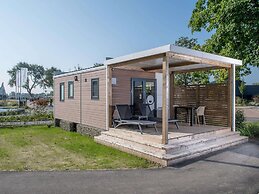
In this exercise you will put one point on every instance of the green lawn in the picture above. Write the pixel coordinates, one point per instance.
(43, 148)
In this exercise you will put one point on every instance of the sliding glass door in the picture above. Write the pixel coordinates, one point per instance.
(143, 96)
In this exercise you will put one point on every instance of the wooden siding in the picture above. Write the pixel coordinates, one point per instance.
(213, 96)
(93, 111)
(121, 92)
(69, 109)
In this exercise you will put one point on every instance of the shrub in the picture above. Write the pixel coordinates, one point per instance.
(253, 129)
(256, 99)
(2, 103)
(240, 123)
(244, 130)
(240, 119)
(252, 103)
(10, 119)
(27, 118)
(239, 100)
(12, 112)
(2, 113)
(12, 103)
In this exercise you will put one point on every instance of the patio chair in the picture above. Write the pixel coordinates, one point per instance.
(145, 111)
(175, 121)
(200, 112)
(125, 117)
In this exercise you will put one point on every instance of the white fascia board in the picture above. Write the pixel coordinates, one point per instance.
(138, 55)
(80, 71)
(200, 54)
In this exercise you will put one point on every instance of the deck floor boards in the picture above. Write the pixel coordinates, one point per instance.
(149, 134)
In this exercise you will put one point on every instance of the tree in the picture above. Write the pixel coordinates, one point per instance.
(35, 76)
(187, 42)
(78, 67)
(242, 88)
(98, 65)
(198, 77)
(220, 75)
(235, 30)
(48, 77)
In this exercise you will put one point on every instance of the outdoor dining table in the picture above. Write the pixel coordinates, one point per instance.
(189, 109)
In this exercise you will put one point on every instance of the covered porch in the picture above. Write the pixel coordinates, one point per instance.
(170, 60)
(171, 145)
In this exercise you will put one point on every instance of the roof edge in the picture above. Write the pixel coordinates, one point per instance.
(205, 55)
(80, 71)
(141, 54)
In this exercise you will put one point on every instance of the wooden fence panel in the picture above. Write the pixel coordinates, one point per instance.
(213, 96)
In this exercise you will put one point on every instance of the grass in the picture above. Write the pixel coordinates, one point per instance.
(43, 148)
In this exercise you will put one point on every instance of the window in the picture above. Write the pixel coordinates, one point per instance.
(70, 89)
(62, 92)
(95, 89)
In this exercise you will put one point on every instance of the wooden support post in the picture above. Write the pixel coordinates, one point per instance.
(108, 97)
(230, 77)
(233, 111)
(231, 97)
(172, 95)
(165, 100)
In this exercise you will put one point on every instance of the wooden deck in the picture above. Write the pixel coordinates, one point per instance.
(173, 133)
(184, 143)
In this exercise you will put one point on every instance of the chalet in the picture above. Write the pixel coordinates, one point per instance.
(176, 123)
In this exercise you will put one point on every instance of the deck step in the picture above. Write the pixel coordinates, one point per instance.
(140, 150)
(200, 150)
(176, 151)
(179, 146)
(222, 130)
(131, 144)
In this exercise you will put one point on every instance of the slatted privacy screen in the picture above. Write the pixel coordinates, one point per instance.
(213, 96)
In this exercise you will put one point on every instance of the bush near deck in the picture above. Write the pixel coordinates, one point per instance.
(43, 148)
(27, 118)
(250, 129)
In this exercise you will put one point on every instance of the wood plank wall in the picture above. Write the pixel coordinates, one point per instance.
(121, 92)
(213, 96)
(93, 112)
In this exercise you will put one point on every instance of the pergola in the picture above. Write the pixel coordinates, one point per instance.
(169, 59)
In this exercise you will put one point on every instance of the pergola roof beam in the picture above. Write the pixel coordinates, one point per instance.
(199, 60)
(177, 64)
(194, 69)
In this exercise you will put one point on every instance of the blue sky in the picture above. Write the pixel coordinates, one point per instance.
(67, 33)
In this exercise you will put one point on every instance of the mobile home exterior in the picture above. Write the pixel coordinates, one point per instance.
(84, 101)
(77, 108)
(74, 101)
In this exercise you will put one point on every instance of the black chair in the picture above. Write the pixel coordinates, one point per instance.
(125, 117)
